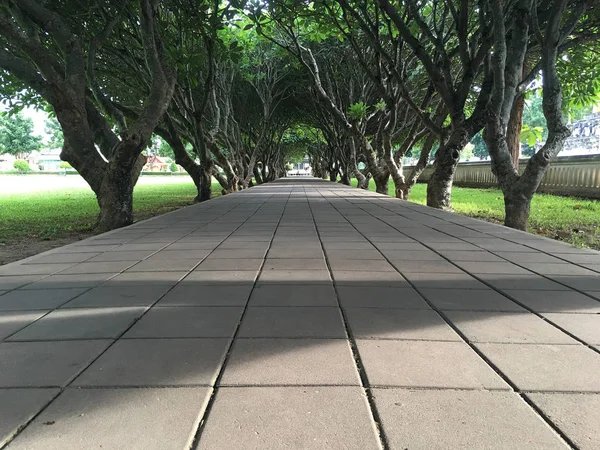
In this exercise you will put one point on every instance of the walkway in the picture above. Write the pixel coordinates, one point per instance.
(218, 326)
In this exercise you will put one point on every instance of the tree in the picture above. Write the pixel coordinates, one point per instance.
(173, 167)
(479, 147)
(54, 132)
(21, 166)
(16, 135)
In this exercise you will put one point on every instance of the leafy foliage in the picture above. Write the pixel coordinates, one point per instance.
(16, 135)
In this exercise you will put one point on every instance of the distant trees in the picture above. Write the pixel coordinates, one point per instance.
(16, 135)
(54, 132)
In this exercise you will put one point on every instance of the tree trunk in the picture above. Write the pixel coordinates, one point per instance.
(513, 130)
(115, 198)
(205, 187)
(345, 179)
(516, 208)
(439, 188)
(381, 183)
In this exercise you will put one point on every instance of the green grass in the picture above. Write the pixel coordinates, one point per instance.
(569, 219)
(57, 214)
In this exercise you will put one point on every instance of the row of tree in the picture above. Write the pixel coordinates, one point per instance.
(238, 88)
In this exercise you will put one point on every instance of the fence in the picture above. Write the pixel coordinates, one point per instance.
(570, 175)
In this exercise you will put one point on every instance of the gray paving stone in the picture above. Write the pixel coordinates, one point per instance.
(583, 283)
(369, 278)
(230, 264)
(585, 326)
(380, 297)
(57, 257)
(555, 301)
(183, 322)
(184, 245)
(239, 253)
(407, 266)
(294, 277)
(293, 295)
(87, 280)
(469, 300)
(295, 264)
(120, 256)
(157, 362)
(296, 253)
(293, 321)
(87, 248)
(521, 328)
(333, 254)
(425, 419)
(14, 282)
(398, 324)
(444, 281)
(111, 296)
(527, 282)
(375, 265)
(45, 364)
(321, 362)
(558, 269)
(228, 277)
(219, 295)
(576, 415)
(13, 321)
(426, 364)
(37, 299)
(456, 255)
(538, 367)
(296, 417)
(484, 267)
(18, 406)
(164, 265)
(33, 269)
(137, 246)
(410, 255)
(120, 418)
(80, 323)
(98, 267)
(146, 279)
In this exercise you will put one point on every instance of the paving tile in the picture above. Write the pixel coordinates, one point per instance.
(230, 264)
(134, 247)
(14, 282)
(380, 297)
(295, 264)
(86, 280)
(98, 267)
(484, 267)
(293, 295)
(423, 419)
(211, 295)
(120, 418)
(555, 301)
(296, 253)
(121, 256)
(444, 281)
(290, 362)
(111, 296)
(239, 253)
(57, 257)
(294, 277)
(176, 322)
(19, 406)
(45, 364)
(146, 279)
(408, 255)
(228, 277)
(583, 283)
(296, 417)
(374, 265)
(383, 323)
(528, 282)
(13, 321)
(558, 269)
(538, 367)
(469, 300)
(426, 364)
(37, 299)
(407, 266)
(333, 254)
(33, 269)
(80, 323)
(83, 248)
(506, 327)
(157, 362)
(585, 326)
(576, 415)
(293, 321)
(456, 255)
(164, 265)
(369, 278)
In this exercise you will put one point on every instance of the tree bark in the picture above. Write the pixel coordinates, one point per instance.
(439, 188)
(513, 130)
(516, 208)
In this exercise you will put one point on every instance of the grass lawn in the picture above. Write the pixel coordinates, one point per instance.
(568, 219)
(56, 214)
